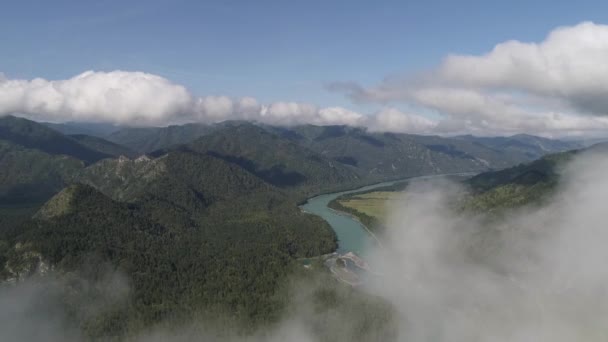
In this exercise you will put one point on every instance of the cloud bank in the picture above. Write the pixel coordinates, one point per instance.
(537, 274)
(555, 87)
(142, 99)
(558, 86)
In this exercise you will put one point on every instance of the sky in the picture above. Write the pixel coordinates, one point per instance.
(320, 62)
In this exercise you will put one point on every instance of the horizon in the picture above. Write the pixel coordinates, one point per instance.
(248, 171)
(87, 125)
(398, 73)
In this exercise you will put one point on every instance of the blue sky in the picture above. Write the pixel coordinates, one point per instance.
(289, 51)
(272, 50)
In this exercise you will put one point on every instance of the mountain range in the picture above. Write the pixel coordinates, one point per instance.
(204, 218)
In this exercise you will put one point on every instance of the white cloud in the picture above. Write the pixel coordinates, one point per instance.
(117, 96)
(554, 88)
(138, 98)
(393, 120)
(536, 274)
(557, 86)
(569, 64)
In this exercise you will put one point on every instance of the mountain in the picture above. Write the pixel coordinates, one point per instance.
(193, 232)
(524, 146)
(277, 160)
(28, 178)
(370, 152)
(207, 224)
(33, 135)
(36, 162)
(516, 186)
(30, 175)
(380, 156)
(145, 140)
(93, 129)
(103, 146)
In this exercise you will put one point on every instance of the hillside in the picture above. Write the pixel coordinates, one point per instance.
(376, 156)
(145, 140)
(520, 185)
(382, 156)
(99, 130)
(33, 135)
(103, 146)
(275, 159)
(196, 234)
(524, 146)
(207, 225)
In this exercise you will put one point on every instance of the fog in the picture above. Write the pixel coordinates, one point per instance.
(47, 307)
(535, 274)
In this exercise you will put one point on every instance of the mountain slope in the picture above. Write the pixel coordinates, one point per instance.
(149, 139)
(103, 146)
(33, 135)
(516, 186)
(277, 160)
(99, 130)
(28, 175)
(523, 146)
(378, 156)
(194, 233)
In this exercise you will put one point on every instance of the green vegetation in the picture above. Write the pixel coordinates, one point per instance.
(32, 135)
(374, 204)
(370, 208)
(208, 226)
(146, 140)
(104, 146)
(524, 184)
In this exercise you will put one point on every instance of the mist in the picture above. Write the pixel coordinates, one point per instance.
(532, 274)
(536, 274)
(49, 306)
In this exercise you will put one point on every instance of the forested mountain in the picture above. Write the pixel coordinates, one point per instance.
(33, 135)
(149, 139)
(375, 156)
(192, 231)
(519, 185)
(36, 162)
(524, 146)
(93, 129)
(103, 146)
(207, 222)
(388, 156)
(275, 159)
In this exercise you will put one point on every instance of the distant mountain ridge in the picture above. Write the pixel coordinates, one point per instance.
(206, 222)
(30, 134)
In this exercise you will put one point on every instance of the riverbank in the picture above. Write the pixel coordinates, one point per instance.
(354, 217)
(353, 235)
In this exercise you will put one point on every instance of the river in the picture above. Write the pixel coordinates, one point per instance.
(352, 235)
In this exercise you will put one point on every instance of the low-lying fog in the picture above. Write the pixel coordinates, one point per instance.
(538, 274)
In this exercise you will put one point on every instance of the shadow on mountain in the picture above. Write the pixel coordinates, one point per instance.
(276, 175)
(370, 140)
(450, 151)
(347, 160)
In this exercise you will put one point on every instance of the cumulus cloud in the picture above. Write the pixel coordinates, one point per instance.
(117, 96)
(557, 86)
(393, 120)
(568, 64)
(536, 274)
(141, 99)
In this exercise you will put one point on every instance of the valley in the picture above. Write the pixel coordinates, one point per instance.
(198, 222)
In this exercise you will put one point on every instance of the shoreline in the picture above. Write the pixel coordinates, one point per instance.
(355, 218)
(367, 188)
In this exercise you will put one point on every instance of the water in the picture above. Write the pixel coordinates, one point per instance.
(352, 235)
